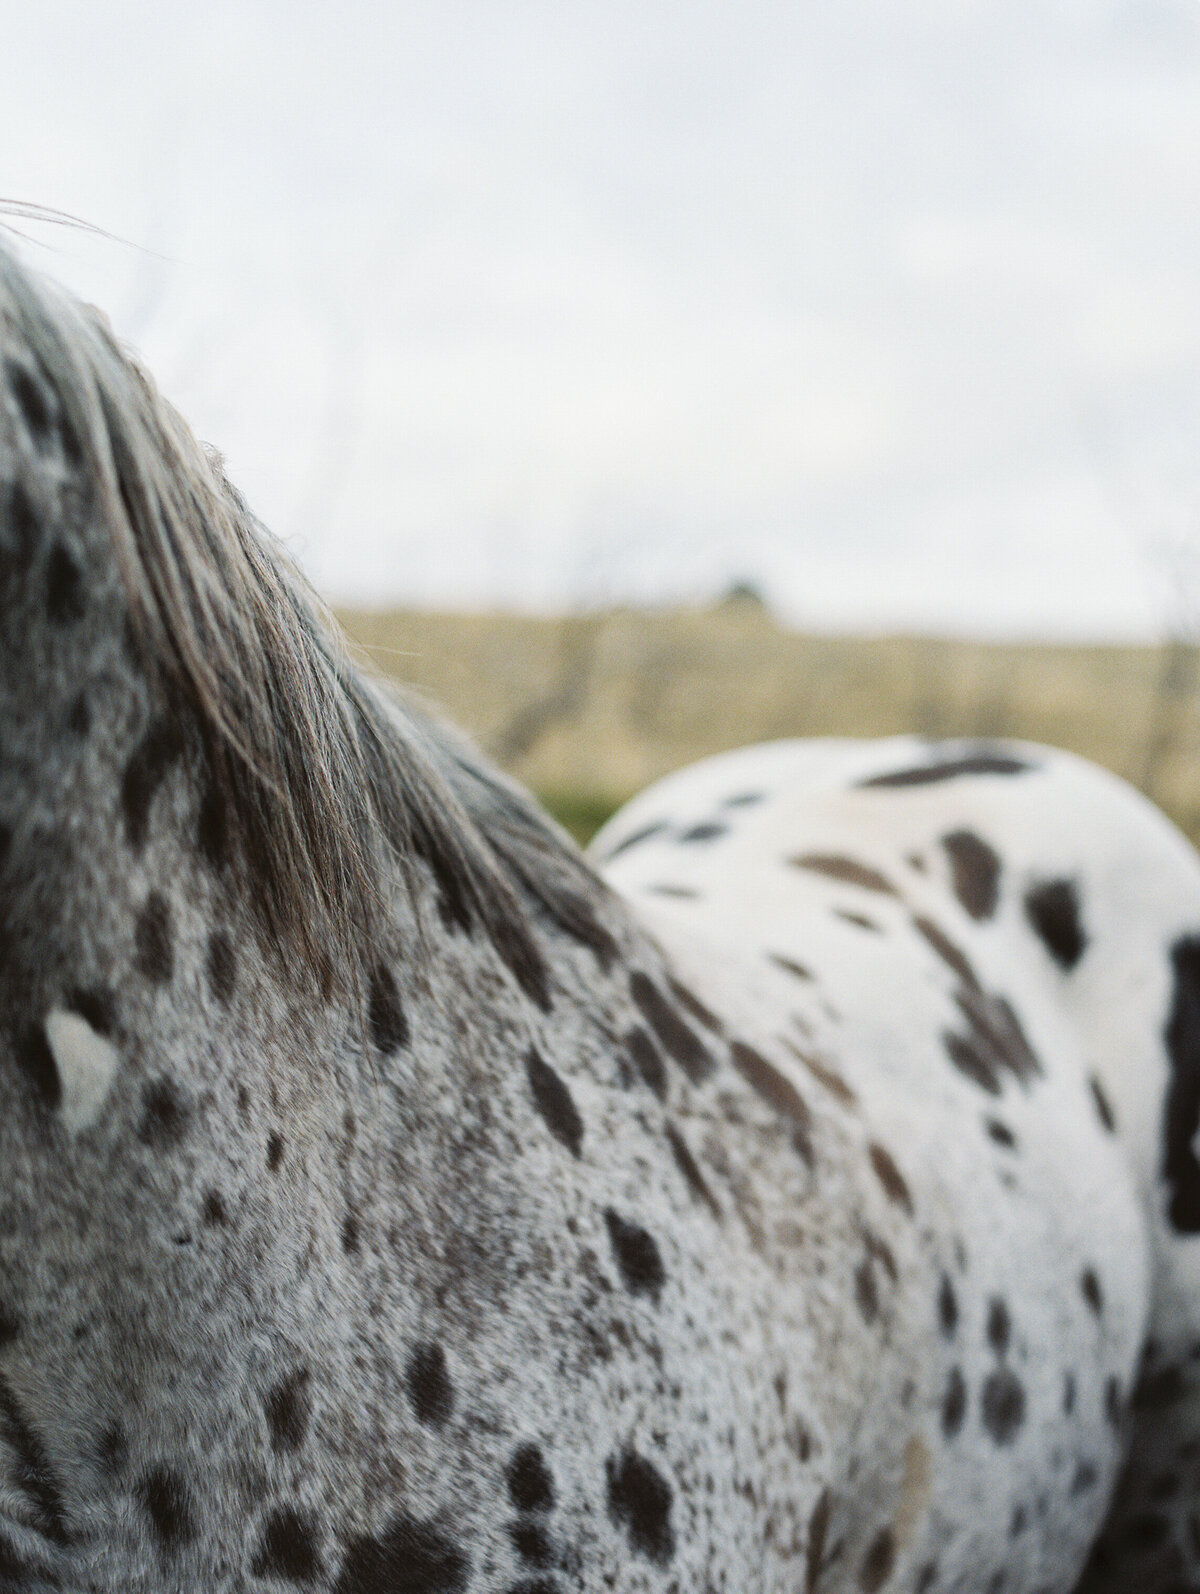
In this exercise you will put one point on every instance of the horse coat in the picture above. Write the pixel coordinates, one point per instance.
(800, 1196)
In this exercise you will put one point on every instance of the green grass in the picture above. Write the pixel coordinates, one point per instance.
(579, 812)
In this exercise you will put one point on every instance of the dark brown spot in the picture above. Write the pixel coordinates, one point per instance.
(999, 1326)
(165, 1497)
(429, 1386)
(790, 966)
(639, 1500)
(866, 1294)
(408, 1557)
(79, 720)
(992, 1044)
(679, 1041)
(1052, 908)
(690, 1169)
(847, 870)
(880, 1252)
(155, 952)
(554, 1102)
(879, 1562)
(636, 1254)
(954, 1403)
(818, 1534)
(822, 1073)
(1089, 1285)
(164, 1115)
(288, 1407)
(778, 1092)
(709, 830)
(1002, 1405)
(635, 839)
(1181, 1109)
(1112, 1401)
(288, 1548)
(692, 1003)
(112, 1448)
(1084, 1479)
(1103, 1110)
(981, 763)
(947, 1307)
(531, 1542)
(974, 872)
(647, 1060)
(945, 948)
(530, 1486)
(890, 1177)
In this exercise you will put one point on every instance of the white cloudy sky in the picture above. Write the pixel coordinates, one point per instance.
(890, 305)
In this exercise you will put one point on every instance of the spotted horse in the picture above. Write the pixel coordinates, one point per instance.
(800, 1196)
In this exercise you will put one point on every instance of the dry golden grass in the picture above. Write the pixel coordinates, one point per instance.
(590, 708)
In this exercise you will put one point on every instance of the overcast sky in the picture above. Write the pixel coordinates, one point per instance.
(893, 308)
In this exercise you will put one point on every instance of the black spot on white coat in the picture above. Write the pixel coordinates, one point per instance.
(530, 1485)
(168, 1506)
(679, 1042)
(408, 1557)
(1052, 908)
(636, 1254)
(639, 1500)
(429, 1388)
(943, 769)
(1181, 1110)
(554, 1102)
(288, 1549)
(974, 872)
(288, 1406)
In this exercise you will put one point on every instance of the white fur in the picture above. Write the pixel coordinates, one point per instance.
(86, 1064)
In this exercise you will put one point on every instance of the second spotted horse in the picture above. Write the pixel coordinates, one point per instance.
(798, 1198)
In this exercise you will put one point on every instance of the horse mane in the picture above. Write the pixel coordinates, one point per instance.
(324, 786)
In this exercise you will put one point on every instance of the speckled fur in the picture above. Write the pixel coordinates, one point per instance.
(792, 1216)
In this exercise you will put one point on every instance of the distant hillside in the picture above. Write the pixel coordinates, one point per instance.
(589, 708)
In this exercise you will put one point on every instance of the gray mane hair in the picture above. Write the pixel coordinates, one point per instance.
(322, 784)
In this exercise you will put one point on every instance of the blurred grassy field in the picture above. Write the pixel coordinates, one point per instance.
(589, 708)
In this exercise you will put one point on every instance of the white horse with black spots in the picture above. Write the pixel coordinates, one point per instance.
(801, 1195)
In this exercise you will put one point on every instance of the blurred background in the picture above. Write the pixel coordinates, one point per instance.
(640, 379)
